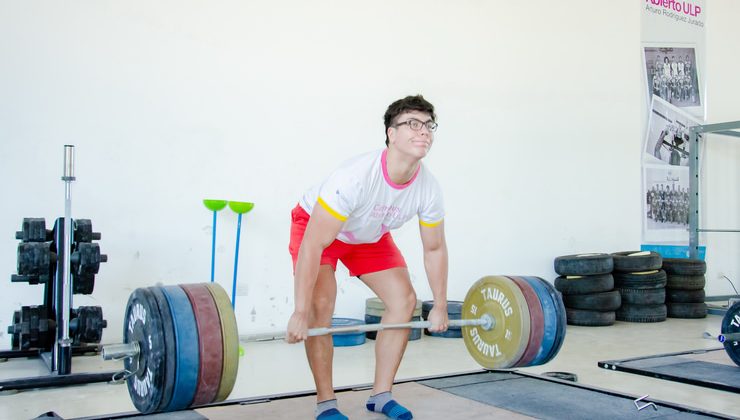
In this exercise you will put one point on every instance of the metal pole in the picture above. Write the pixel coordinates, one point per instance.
(64, 353)
(694, 192)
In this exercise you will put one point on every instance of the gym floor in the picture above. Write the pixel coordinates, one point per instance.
(273, 367)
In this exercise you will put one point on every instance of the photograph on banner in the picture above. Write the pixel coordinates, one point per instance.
(672, 73)
(667, 138)
(665, 204)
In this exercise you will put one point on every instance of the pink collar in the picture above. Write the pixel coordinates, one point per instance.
(384, 165)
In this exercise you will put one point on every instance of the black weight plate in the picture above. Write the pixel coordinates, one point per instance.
(143, 324)
(731, 324)
(170, 346)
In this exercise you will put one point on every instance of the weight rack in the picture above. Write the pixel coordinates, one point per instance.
(65, 260)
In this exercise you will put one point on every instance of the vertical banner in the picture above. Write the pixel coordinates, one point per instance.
(673, 51)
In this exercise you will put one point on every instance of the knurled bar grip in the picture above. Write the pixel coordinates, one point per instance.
(482, 321)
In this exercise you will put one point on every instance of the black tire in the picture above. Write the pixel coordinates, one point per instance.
(602, 302)
(642, 313)
(634, 261)
(581, 285)
(643, 296)
(684, 296)
(684, 266)
(589, 318)
(584, 264)
(679, 282)
(687, 310)
(654, 279)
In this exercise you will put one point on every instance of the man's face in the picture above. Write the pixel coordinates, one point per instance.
(408, 141)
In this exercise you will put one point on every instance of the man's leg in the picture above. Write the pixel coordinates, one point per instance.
(393, 287)
(320, 349)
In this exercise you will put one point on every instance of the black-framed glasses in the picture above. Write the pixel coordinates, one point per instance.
(416, 125)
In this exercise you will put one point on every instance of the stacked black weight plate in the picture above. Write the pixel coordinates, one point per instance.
(685, 287)
(641, 283)
(454, 307)
(588, 288)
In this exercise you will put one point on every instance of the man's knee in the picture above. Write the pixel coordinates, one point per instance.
(322, 308)
(404, 305)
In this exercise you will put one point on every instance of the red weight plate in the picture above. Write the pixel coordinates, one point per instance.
(537, 321)
(210, 345)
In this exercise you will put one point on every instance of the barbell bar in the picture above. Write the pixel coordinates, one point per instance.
(181, 344)
(133, 349)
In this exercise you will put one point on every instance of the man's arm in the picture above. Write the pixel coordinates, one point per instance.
(321, 231)
(435, 264)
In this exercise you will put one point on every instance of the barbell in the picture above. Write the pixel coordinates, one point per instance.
(181, 346)
(730, 336)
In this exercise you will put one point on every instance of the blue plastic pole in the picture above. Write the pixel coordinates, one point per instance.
(213, 248)
(236, 260)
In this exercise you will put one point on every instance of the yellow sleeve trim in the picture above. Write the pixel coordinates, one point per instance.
(331, 211)
(432, 224)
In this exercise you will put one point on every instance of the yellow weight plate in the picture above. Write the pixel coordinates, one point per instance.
(504, 344)
(230, 341)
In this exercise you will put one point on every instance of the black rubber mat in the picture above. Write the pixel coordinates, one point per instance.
(545, 399)
(707, 368)
(489, 394)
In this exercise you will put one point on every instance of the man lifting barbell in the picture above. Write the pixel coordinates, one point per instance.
(348, 218)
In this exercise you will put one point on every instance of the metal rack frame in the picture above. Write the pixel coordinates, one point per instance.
(726, 129)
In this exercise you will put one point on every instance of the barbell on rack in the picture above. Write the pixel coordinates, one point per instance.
(181, 345)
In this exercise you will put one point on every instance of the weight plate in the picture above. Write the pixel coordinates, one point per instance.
(210, 346)
(731, 324)
(536, 321)
(504, 344)
(186, 337)
(230, 340)
(170, 346)
(557, 299)
(550, 321)
(143, 324)
(348, 338)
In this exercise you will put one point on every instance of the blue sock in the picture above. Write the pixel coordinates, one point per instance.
(327, 410)
(384, 403)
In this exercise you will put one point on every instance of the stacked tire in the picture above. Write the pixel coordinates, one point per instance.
(685, 287)
(588, 288)
(641, 283)
(454, 309)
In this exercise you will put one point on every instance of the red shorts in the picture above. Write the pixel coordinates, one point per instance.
(358, 258)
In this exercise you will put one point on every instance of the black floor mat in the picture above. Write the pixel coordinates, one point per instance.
(545, 399)
(707, 368)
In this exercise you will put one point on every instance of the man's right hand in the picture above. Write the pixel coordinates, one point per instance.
(297, 328)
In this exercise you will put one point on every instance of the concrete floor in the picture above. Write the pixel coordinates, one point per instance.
(276, 368)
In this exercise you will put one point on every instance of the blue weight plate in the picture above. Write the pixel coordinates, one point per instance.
(551, 320)
(188, 358)
(170, 346)
(557, 297)
(349, 338)
(143, 324)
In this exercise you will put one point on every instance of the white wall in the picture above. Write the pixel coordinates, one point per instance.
(538, 149)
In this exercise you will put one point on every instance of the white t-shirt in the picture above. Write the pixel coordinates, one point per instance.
(361, 194)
